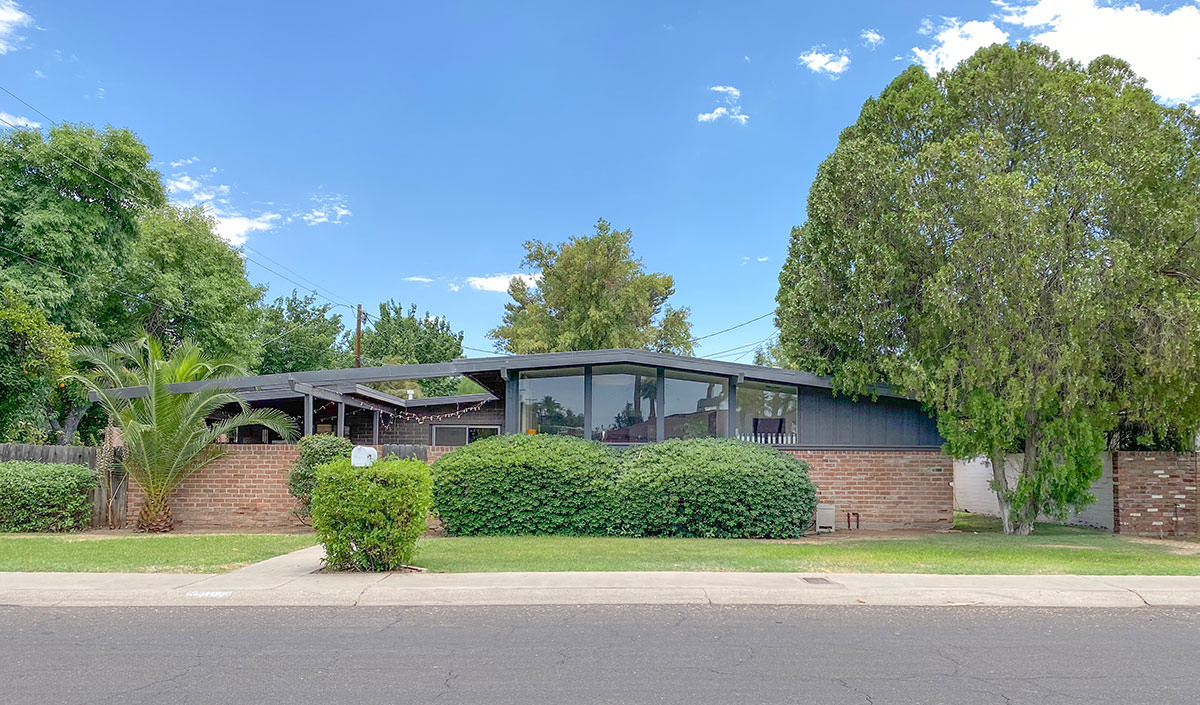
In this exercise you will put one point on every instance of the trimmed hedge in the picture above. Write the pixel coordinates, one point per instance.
(45, 496)
(369, 518)
(315, 451)
(523, 484)
(713, 487)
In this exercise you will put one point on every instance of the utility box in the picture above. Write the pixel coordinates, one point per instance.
(826, 517)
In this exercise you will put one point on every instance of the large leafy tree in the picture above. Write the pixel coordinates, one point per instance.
(167, 436)
(399, 336)
(1015, 242)
(593, 294)
(87, 238)
(182, 281)
(69, 207)
(296, 334)
(31, 350)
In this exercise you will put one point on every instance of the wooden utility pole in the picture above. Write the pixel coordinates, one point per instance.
(358, 338)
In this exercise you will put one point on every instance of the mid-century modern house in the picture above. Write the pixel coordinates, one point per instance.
(878, 459)
(614, 396)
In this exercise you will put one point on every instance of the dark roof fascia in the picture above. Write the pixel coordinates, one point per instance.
(384, 397)
(514, 363)
(450, 400)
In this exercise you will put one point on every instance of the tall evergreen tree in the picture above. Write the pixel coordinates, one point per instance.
(1015, 242)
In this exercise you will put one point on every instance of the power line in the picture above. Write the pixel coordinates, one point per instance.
(27, 105)
(740, 325)
(310, 281)
(142, 181)
(742, 347)
(140, 297)
(316, 287)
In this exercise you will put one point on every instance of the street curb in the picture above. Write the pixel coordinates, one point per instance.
(293, 580)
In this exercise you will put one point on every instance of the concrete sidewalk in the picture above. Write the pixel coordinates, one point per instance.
(293, 579)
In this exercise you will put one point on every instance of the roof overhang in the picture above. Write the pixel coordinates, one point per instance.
(350, 381)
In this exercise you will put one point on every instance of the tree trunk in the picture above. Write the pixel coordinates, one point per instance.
(65, 430)
(1029, 512)
(1000, 487)
(155, 515)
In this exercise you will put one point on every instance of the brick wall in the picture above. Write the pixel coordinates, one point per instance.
(889, 489)
(245, 489)
(435, 452)
(1154, 493)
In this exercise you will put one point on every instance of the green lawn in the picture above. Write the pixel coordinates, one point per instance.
(979, 549)
(140, 553)
(1051, 550)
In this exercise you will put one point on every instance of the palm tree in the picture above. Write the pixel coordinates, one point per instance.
(166, 435)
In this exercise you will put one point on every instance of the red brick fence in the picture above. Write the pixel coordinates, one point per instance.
(1154, 494)
(244, 489)
(247, 488)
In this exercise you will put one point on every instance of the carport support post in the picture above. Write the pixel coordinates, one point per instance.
(308, 415)
(341, 427)
(375, 428)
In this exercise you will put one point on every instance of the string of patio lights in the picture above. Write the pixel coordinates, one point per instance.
(388, 418)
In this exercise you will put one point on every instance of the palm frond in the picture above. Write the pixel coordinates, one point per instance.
(167, 435)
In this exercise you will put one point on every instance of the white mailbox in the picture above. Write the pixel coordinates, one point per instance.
(362, 456)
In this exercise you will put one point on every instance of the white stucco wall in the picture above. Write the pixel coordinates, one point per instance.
(972, 493)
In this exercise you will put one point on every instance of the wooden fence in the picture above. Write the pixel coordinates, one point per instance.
(404, 451)
(79, 455)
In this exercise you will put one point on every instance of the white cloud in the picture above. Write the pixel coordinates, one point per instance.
(17, 121)
(454, 287)
(12, 19)
(499, 282)
(732, 108)
(182, 183)
(747, 58)
(235, 228)
(37, 73)
(955, 41)
(731, 94)
(1162, 47)
(418, 279)
(871, 38)
(184, 162)
(330, 208)
(230, 224)
(763, 259)
(830, 64)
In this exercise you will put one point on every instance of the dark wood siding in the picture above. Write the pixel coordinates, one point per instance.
(827, 421)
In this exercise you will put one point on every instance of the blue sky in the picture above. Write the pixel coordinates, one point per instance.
(406, 151)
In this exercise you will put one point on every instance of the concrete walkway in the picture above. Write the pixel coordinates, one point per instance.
(293, 579)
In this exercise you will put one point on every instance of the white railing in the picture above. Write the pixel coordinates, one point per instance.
(770, 439)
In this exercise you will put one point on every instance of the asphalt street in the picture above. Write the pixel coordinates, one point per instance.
(599, 654)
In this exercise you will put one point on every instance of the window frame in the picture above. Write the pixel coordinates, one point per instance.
(433, 432)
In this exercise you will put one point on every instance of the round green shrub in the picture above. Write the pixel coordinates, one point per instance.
(45, 496)
(713, 487)
(523, 484)
(369, 518)
(315, 451)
